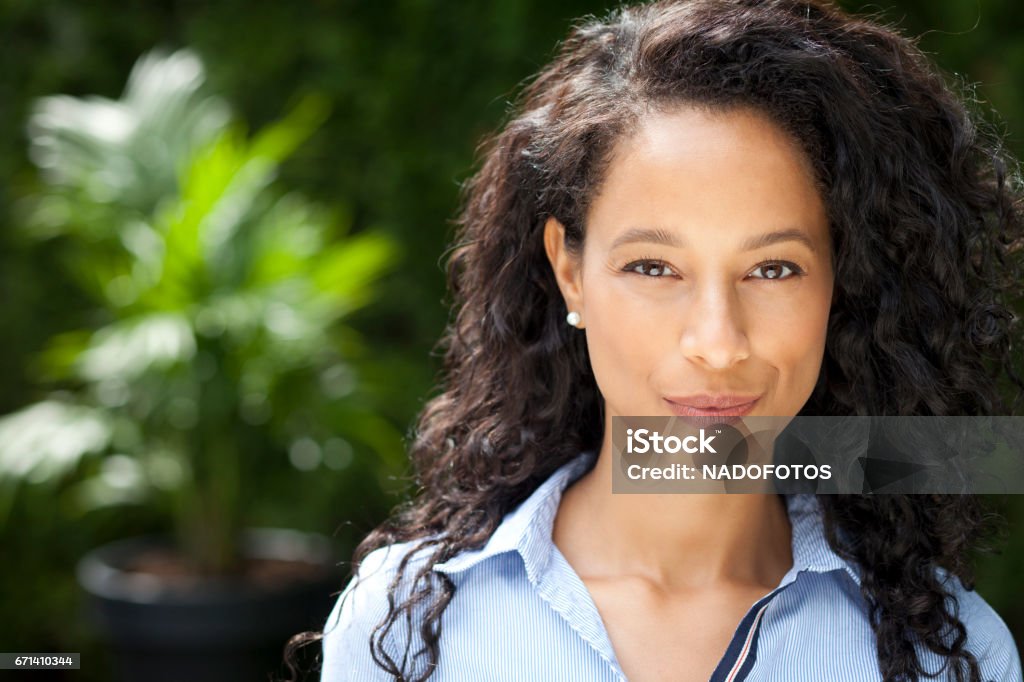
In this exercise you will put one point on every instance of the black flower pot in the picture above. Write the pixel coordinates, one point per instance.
(193, 629)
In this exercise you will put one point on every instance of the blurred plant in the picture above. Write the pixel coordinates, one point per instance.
(219, 328)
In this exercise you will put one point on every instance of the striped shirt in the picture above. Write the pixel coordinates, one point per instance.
(520, 612)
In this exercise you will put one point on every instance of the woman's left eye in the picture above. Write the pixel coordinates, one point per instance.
(777, 270)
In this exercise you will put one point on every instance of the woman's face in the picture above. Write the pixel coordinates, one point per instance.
(705, 280)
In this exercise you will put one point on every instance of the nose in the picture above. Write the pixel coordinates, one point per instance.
(714, 333)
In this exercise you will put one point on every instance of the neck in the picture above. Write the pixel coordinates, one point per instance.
(675, 540)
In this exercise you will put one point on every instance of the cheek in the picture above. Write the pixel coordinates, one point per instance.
(625, 340)
(790, 336)
(788, 331)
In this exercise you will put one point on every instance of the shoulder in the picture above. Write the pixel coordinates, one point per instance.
(988, 637)
(834, 602)
(361, 607)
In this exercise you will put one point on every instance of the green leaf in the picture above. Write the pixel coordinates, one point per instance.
(284, 241)
(57, 360)
(346, 271)
(279, 140)
(43, 441)
(126, 349)
(121, 480)
(128, 151)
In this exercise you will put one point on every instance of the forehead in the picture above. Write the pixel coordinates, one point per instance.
(727, 172)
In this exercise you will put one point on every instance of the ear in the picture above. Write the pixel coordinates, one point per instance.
(566, 266)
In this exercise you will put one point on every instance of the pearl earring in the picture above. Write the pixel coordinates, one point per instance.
(573, 318)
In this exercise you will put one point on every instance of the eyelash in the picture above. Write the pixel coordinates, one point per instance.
(795, 270)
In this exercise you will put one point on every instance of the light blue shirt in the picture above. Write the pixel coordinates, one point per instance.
(520, 612)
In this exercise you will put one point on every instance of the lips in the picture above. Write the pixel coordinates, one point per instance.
(713, 406)
(712, 402)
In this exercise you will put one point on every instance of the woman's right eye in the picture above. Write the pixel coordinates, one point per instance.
(650, 268)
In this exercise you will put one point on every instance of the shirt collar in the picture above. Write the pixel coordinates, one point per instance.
(811, 551)
(527, 530)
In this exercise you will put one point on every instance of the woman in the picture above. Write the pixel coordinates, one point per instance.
(705, 208)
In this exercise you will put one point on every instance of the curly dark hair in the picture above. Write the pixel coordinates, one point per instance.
(924, 212)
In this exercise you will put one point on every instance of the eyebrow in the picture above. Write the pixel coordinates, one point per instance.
(666, 238)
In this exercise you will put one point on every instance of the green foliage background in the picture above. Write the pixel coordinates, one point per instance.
(413, 85)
